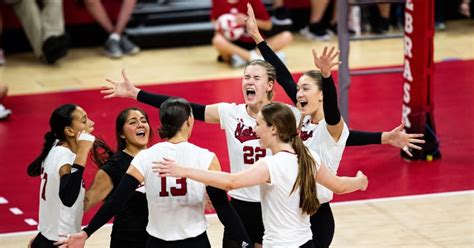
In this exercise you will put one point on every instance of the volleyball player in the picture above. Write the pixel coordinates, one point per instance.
(286, 179)
(323, 129)
(132, 131)
(61, 165)
(238, 121)
(175, 205)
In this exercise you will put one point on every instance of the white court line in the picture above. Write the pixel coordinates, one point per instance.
(3, 200)
(34, 232)
(413, 197)
(16, 211)
(408, 197)
(31, 222)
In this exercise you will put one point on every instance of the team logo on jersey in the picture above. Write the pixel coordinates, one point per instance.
(244, 133)
(304, 135)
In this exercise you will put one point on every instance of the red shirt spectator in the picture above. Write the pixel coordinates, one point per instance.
(220, 7)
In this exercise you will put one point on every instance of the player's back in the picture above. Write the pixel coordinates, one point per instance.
(176, 205)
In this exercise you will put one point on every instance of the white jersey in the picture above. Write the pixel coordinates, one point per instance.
(317, 138)
(285, 224)
(242, 144)
(175, 205)
(55, 218)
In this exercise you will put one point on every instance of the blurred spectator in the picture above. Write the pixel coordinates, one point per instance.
(317, 28)
(451, 10)
(439, 15)
(44, 27)
(380, 18)
(281, 15)
(118, 43)
(4, 112)
(243, 50)
(465, 8)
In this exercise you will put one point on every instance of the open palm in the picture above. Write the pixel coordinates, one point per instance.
(123, 89)
(326, 62)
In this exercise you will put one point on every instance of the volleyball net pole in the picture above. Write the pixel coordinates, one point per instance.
(418, 71)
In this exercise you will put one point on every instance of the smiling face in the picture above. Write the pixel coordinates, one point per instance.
(309, 95)
(136, 130)
(80, 121)
(256, 85)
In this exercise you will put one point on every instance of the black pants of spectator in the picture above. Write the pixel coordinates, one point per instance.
(322, 226)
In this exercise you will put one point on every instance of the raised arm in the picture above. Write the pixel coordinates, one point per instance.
(284, 77)
(332, 116)
(70, 183)
(126, 89)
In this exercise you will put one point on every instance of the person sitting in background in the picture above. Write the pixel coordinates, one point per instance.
(281, 15)
(243, 50)
(118, 43)
(4, 112)
(44, 27)
(380, 18)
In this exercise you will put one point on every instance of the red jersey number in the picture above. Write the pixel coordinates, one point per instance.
(43, 190)
(253, 154)
(175, 191)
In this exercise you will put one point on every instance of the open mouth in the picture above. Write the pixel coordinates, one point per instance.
(303, 103)
(141, 133)
(250, 93)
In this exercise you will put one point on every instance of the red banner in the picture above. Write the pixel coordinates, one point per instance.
(417, 109)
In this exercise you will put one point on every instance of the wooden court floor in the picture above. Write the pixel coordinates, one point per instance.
(434, 220)
(439, 220)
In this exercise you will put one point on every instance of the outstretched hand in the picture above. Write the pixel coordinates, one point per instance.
(76, 240)
(123, 89)
(168, 168)
(326, 62)
(398, 138)
(251, 24)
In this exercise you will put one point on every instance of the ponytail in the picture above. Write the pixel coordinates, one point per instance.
(281, 116)
(34, 169)
(101, 152)
(60, 119)
(305, 181)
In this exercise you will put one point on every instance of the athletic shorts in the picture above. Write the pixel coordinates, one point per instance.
(41, 241)
(251, 215)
